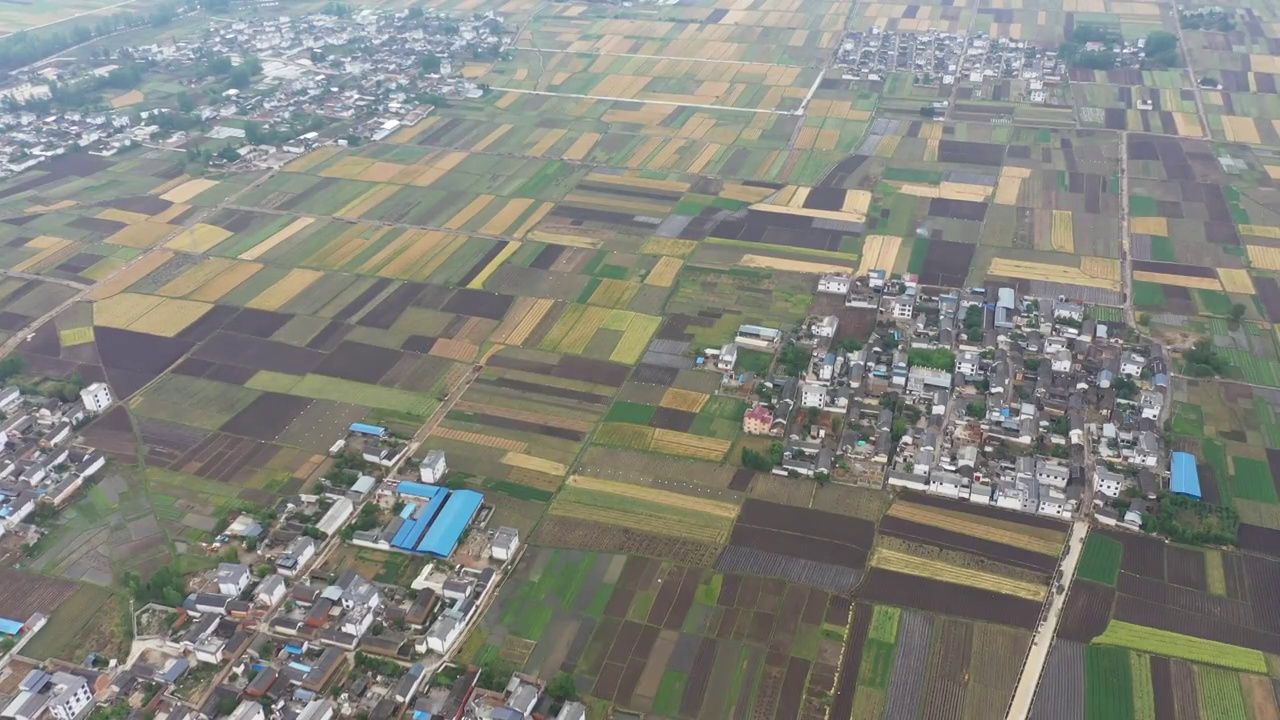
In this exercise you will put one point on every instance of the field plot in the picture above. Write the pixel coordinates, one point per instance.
(664, 638)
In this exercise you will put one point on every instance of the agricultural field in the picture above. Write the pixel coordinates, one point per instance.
(1175, 632)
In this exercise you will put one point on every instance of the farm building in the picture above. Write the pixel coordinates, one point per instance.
(370, 430)
(432, 520)
(1185, 478)
(758, 337)
(337, 516)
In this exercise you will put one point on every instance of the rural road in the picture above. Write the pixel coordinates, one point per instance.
(1043, 638)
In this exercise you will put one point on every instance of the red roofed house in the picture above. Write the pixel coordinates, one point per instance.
(757, 420)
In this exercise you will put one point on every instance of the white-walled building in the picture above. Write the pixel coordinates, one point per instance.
(505, 543)
(433, 467)
(96, 398)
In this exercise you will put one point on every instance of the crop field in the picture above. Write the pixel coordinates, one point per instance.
(664, 638)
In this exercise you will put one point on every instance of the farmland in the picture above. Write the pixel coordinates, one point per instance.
(542, 275)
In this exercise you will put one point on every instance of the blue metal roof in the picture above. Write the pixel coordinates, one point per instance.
(408, 510)
(10, 627)
(412, 530)
(418, 489)
(1186, 478)
(367, 429)
(442, 538)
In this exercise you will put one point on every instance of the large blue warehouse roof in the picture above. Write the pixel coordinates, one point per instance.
(442, 538)
(10, 627)
(417, 489)
(1186, 479)
(367, 429)
(412, 530)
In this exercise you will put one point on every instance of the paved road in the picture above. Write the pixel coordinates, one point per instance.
(1025, 693)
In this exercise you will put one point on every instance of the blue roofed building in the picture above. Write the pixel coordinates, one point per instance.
(411, 532)
(458, 511)
(366, 429)
(1185, 478)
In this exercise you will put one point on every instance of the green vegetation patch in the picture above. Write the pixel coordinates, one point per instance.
(1163, 249)
(1147, 294)
(911, 175)
(1252, 480)
(753, 361)
(516, 490)
(1108, 683)
(630, 412)
(1182, 647)
(1214, 302)
(1101, 559)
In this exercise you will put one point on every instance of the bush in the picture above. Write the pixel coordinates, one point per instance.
(1192, 522)
(756, 460)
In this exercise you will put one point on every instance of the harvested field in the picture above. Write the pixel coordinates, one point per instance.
(1042, 540)
(567, 532)
(23, 593)
(188, 190)
(945, 572)
(1000, 552)
(1087, 612)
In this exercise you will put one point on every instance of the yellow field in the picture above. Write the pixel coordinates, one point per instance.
(1264, 63)
(286, 289)
(478, 281)
(226, 282)
(1240, 129)
(674, 247)
(515, 446)
(121, 311)
(664, 272)
(558, 238)
(169, 215)
(686, 400)
(1100, 267)
(1041, 540)
(1265, 231)
(1149, 226)
(531, 462)
(838, 215)
(1264, 258)
(1199, 283)
(305, 162)
(141, 268)
(170, 317)
(1273, 171)
(280, 236)
(672, 442)
(188, 190)
(1062, 236)
(614, 293)
(517, 325)
(194, 277)
(198, 238)
(133, 97)
(1028, 270)
(75, 336)
(454, 350)
(879, 252)
(800, 266)
(946, 572)
(123, 216)
(48, 248)
(1010, 184)
(635, 339)
(143, 234)
(1236, 280)
(60, 205)
(718, 508)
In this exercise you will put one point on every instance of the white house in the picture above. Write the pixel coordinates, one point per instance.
(969, 364)
(295, 558)
(232, 578)
(834, 284)
(1108, 483)
(270, 591)
(813, 395)
(1131, 364)
(728, 358)
(444, 633)
(1062, 361)
(61, 694)
(1052, 473)
(96, 398)
(1068, 311)
(904, 306)
(825, 327)
(317, 710)
(433, 467)
(505, 543)
(1152, 403)
(1146, 451)
(876, 279)
(248, 710)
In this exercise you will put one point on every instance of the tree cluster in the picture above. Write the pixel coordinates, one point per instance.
(937, 358)
(1161, 50)
(1192, 522)
(1203, 360)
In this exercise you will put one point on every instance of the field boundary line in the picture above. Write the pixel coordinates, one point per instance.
(536, 49)
(642, 100)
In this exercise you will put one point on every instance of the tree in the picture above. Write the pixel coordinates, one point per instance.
(1161, 49)
(1202, 360)
(430, 64)
(562, 687)
(976, 409)
(10, 367)
(1126, 388)
(756, 460)
(776, 451)
(1031, 364)
(1237, 312)
(937, 358)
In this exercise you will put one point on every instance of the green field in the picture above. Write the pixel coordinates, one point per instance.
(1108, 683)
(1101, 559)
(1184, 647)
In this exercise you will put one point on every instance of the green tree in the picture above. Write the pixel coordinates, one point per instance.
(756, 460)
(562, 687)
(976, 409)
(1237, 312)
(430, 64)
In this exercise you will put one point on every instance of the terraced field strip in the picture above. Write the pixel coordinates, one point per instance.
(922, 567)
(515, 446)
(1041, 540)
(1184, 647)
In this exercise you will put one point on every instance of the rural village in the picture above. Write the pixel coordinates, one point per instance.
(675, 360)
